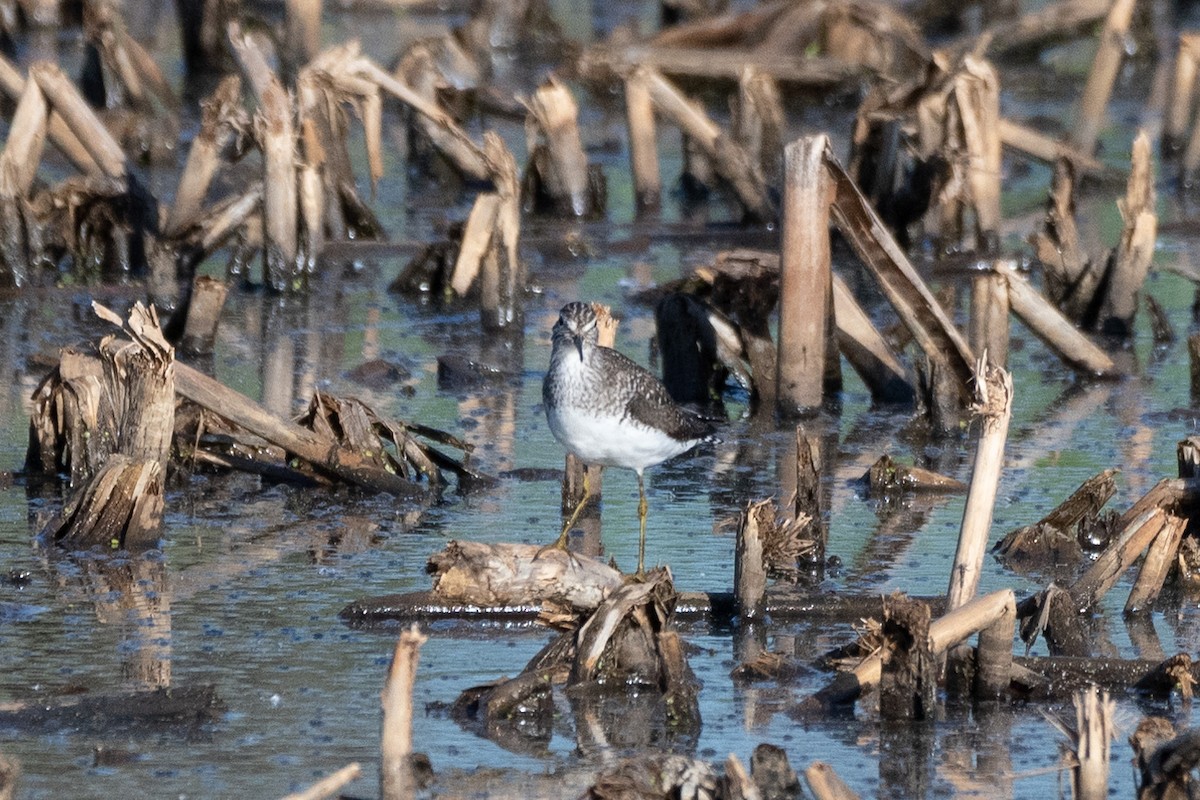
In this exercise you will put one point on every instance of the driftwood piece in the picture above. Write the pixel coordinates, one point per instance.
(988, 329)
(759, 122)
(1135, 536)
(1047, 148)
(944, 632)
(993, 403)
(1165, 761)
(1071, 277)
(1157, 564)
(502, 282)
(481, 575)
(416, 84)
(18, 167)
(205, 303)
(867, 350)
(80, 118)
(1054, 21)
(815, 72)
(397, 780)
(630, 640)
(1180, 107)
(885, 475)
(320, 451)
(99, 713)
(1055, 538)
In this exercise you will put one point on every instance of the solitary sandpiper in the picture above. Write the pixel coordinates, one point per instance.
(607, 410)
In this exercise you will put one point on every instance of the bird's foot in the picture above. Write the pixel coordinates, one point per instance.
(558, 544)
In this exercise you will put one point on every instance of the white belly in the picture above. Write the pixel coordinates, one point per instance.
(611, 441)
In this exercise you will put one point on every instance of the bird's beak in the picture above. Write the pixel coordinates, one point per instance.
(579, 346)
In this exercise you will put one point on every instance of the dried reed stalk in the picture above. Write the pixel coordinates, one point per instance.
(396, 779)
(1131, 261)
(643, 142)
(1103, 75)
(805, 283)
(993, 404)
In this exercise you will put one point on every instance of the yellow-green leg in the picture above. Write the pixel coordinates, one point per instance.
(643, 507)
(561, 542)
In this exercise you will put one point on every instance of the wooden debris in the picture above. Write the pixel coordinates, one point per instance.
(643, 142)
(825, 784)
(222, 119)
(1071, 278)
(558, 178)
(1103, 75)
(749, 568)
(920, 312)
(1095, 729)
(325, 455)
(1049, 325)
(1158, 562)
(203, 309)
(759, 122)
(1180, 108)
(729, 159)
(1055, 538)
(867, 351)
(627, 640)
(908, 683)
(432, 129)
(944, 632)
(988, 331)
(993, 403)
(1053, 614)
(121, 505)
(481, 575)
(330, 785)
(885, 475)
(656, 775)
(951, 113)
(805, 289)
(100, 712)
(1165, 760)
(397, 780)
(839, 40)
(1049, 23)
(1131, 260)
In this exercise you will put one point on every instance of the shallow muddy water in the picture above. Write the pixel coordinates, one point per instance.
(246, 590)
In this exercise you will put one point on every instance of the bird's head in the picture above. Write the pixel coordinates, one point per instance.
(576, 327)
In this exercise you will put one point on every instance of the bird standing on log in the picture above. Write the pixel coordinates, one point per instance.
(610, 411)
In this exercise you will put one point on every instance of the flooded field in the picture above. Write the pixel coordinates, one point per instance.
(245, 593)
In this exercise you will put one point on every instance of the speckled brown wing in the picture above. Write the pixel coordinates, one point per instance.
(648, 402)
